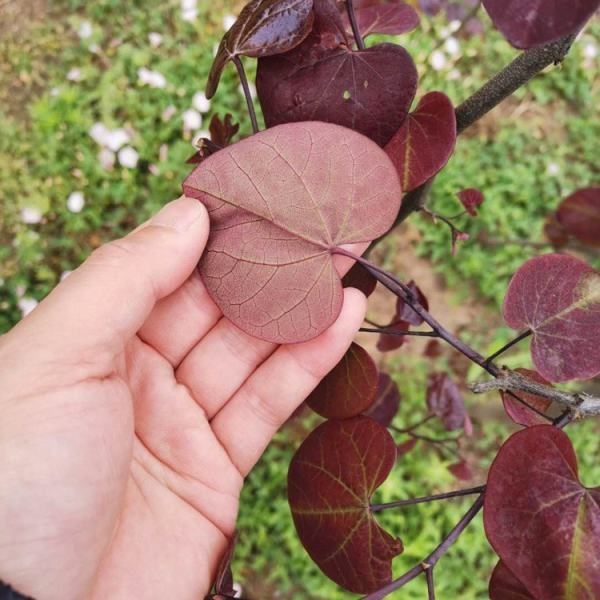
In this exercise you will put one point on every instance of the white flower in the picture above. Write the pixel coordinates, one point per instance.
(251, 87)
(200, 102)
(553, 168)
(128, 157)
(98, 132)
(452, 46)
(75, 202)
(228, 21)
(454, 25)
(454, 75)
(106, 158)
(192, 120)
(168, 113)
(152, 78)
(31, 216)
(20, 291)
(438, 60)
(54, 92)
(115, 139)
(199, 135)
(85, 30)
(94, 48)
(237, 589)
(590, 50)
(64, 275)
(74, 74)
(27, 305)
(189, 10)
(155, 39)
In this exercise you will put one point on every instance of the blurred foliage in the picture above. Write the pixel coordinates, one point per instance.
(526, 156)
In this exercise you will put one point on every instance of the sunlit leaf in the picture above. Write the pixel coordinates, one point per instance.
(425, 142)
(324, 79)
(505, 586)
(517, 411)
(558, 298)
(525, 23)
(579, 214)
(268, 264)
(263, 28)
(542, 522)
(387, 401)
(388, 17)
(445, 400)
(358, 277)
(471, 199)
(349, 388)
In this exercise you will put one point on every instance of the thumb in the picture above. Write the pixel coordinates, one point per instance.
(106, 300)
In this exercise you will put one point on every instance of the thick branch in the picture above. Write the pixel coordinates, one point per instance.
(581, 403)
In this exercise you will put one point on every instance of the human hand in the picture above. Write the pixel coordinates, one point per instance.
(130, 412)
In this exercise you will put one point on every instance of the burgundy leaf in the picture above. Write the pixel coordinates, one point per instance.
(445, 400)
(388, 342)
(387, 401)
(433, 349)
(358, 277)
(555, 232)
(221, 134)
(461, 470)
(458, 236)
(405, 313)
(518, 412)
(331, 480)
(388, 17)
(505, 586)
(349, 388)
(425, 142)
(558, 298)
(579, 214)
(224, 580)
(539, 518)
(268, 262)
(471, 198)
(263, 28)
(406, 447)
(527, 23)
(324, 79)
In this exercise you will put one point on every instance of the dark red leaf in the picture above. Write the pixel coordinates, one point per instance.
(388, 342)
(461, 470)
(349, 388)
(324, 79)
(407, 446)
(558, 298)
(579, 214)
(471, 198)
(425, 142)
(387, 401)
(539, 518)
(430, 7)
(405, 313)
(263, 28)
(268, 263)
(358, 277)
(389, 17)
(433, 349)
(519, 413)
(505, 586)
(555, 232)
(525, 23)
(224, 579)
(331, 480)
(445, 400)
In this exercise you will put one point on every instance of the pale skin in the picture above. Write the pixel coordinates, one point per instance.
(130, 412)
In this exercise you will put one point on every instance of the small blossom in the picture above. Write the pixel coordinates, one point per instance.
(228, 21)
(94, 48)
(452, 46)
(192, 120)
(438, 60)
(75, 202)
(199, 135)
(85, 30)
(590, 50)
(155, 39)
(116, 138)
(74, 74)
(168, 113)
(189, 10)
(553, 168)
(152, 78)
(54, 92)
(454, 25)
(31, 216)
(200, 102)
(106, 158)
(237, 590)
(26, 305)
(128, 157)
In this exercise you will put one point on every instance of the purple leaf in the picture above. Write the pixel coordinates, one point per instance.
(505, 586)
(405, 313)
(517, 411)
(358, 277)
(388, 342)
(445, 400)
(388, 17)
(387, 401)
(461, 470)
(579, 215)
(471, 198)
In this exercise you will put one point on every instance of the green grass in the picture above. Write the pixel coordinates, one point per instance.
(46, 153)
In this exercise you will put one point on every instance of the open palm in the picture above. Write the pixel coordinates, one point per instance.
(130, 412)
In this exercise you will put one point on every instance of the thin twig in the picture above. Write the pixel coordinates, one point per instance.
(388, 331)
(415, 426)
(456, 494)
(510, 344)
(355, 30)
(430, 584)
(244, 81)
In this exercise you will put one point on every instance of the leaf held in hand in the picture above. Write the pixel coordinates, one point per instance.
(505, 586)
(268, 262)
(518, 412)
(387, 17)
(358, 277)
(425, 142)
(331, 480)
(263, 28)
(349, 388)
(387, 401)
(445, 400)
(579, 214)
(324, 79)
(558, 298)
(539, 518)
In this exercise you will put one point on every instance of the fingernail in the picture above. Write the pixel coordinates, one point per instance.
(180, 214)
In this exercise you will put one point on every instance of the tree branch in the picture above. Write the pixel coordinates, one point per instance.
(581, 404)
(411, 501)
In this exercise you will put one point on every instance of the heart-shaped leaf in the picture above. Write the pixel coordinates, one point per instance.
(349, 388)
(558, 298)
(525, 23)
(263, 28)
(388, 341)
(425, 142)
(505, 586)
(543, 523)
(471, 199)
(387, 401)
(280, 202)
(579, 214)
(445, 400)
(517, 411)
(331, 480)
(388, 17)
(461, 470)
(358, 277)
(324, 79)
